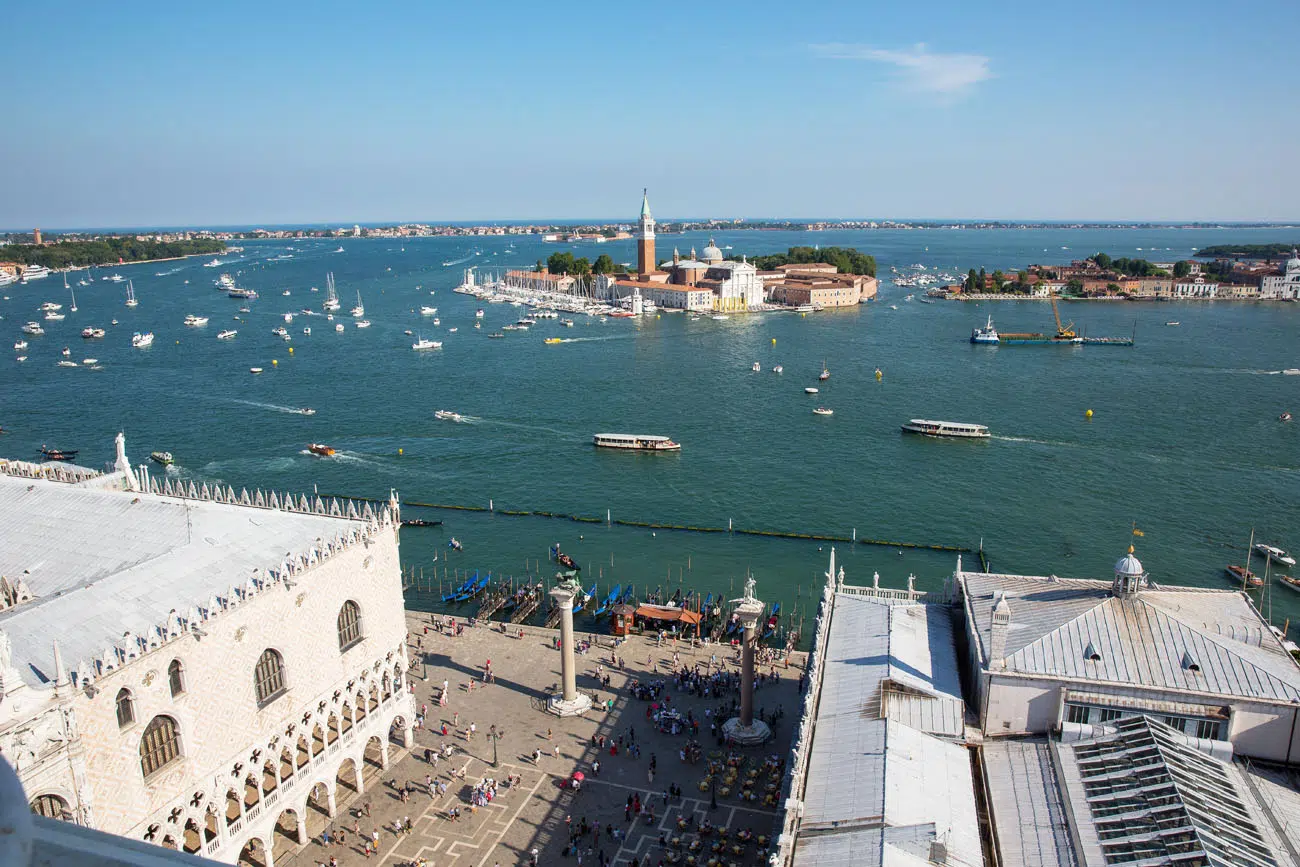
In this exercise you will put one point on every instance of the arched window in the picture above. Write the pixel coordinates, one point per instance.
(51, 807)
(268, 677)
(160, 745)
(125, 708)
(176, 677)
(349, 625)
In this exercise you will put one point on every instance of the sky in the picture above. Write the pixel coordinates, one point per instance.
(131, 114)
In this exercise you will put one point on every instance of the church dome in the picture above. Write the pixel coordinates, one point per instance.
(712, 254)
(1129, 566)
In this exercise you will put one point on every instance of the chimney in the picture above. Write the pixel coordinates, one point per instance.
(998, 635)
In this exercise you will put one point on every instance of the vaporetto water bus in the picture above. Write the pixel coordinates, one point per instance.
(946, 429)
(635, 442)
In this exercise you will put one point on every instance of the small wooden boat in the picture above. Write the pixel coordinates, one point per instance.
(1241, 575)
(1293, 583)
(59, 454)
(821, 410)
(320, 449)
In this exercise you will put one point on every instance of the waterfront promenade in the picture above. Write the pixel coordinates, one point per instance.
(540, 810)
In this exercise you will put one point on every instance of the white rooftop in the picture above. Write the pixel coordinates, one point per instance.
(100, 563)
(1029, 815)
(879, 791)
(1147, 639)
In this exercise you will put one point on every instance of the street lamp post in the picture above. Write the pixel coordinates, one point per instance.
(495, 736)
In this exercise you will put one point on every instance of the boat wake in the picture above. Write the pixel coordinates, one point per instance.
(167, 273)
(274, 407)
(460, 261)
(531, 427)
(1007, 439)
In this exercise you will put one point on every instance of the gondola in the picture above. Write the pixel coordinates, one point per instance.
(59, 454)
(420, 522)
(461, 589)
(610, 600)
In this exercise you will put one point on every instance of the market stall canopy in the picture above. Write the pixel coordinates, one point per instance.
(667, 612)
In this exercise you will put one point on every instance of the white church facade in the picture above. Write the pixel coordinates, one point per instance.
(193, 667)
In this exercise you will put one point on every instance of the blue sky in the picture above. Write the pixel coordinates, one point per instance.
(123, 114)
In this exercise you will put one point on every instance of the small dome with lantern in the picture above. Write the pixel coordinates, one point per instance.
(1130, 577)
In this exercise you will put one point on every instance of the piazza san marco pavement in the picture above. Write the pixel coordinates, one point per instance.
(539, 811)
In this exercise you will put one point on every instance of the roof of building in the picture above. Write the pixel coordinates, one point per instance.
(711, 253)
(1144, 792)
(1146, 639)
(645, 204)
(1029, 813)
(101, 563)
(875, 781)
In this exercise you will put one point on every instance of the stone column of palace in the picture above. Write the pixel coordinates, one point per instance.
(569, 702)
(744, 729)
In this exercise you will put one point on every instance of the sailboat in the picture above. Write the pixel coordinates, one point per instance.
(360, 309)
(130, 294)
(73, 308)
(1243, 574)
(826, 373)
(331, 297)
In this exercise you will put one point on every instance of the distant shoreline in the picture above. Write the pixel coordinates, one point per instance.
(1111, 298)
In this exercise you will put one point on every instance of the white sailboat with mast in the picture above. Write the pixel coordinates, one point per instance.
(130, 294)
(331, 297)
(73, 308)
(360, 309)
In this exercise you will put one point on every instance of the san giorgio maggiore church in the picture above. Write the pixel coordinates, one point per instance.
(191, 667)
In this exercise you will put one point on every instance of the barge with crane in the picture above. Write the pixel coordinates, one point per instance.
(1065, 335)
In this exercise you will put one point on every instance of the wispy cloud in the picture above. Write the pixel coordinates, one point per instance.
(918, 66)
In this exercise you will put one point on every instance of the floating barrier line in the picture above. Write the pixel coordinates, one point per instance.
(688, 528)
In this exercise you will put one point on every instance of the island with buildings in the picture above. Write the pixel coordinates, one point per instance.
(706, 282)
(1267, 273)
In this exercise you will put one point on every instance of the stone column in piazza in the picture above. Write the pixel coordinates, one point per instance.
(744, 730)
(569, 702)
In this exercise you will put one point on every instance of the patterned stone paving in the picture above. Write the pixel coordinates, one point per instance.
(534, 812)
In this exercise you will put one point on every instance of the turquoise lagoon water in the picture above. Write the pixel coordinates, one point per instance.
(1184, 439)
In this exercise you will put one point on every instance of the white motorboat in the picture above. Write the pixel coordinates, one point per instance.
(1173, 323)
(228, 334)
(215, 263)
(364, 323)
(66, 363)
(66, 353)
(92, 333)
(808, 308)
(339, 250)
(141, 340)
(195, 321)
(946, 429)
(50, 305)
(286, 293)
(448, 415)
(20, 345)
(34, 272)
(90, 361)
(428, 311)
(288, 317)
(33, 328)
(21, 358)
(478, 314)
(1276, 554)
(821, 410)
(130, 295)
(987, 334)
(52, 316)
(778, 369)
(279, 331)
(437, 321)
(254, 370)
(307, 331)
(810, 390)
(114, 278)
(339, 327)
(451, 330)
(719, 316)
(423, 344)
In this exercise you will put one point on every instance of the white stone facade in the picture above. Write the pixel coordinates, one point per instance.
(1284, 286)
(241, 767)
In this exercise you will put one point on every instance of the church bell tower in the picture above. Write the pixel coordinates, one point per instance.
(645, 238)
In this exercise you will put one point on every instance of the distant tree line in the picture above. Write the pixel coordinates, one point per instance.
(106, 251)
(1248, 251)
(846, 259)
(1129, 267)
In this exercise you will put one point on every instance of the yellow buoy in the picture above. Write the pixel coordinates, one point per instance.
(291, 350)
(1088, 414)
(274, 362)
(879, 375)
(774, 340)
(399, 451)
